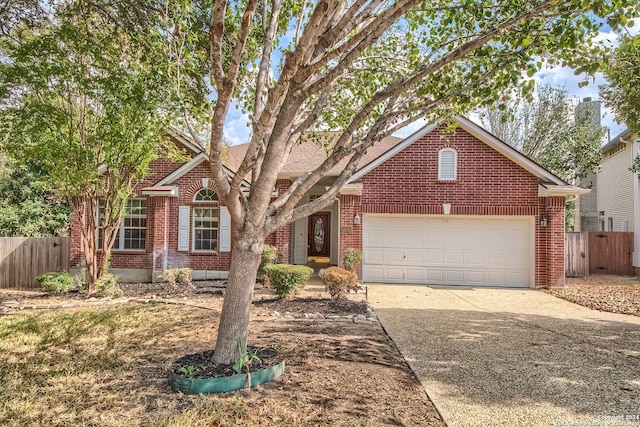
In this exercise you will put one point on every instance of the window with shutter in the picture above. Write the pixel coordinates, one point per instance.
(447, 165)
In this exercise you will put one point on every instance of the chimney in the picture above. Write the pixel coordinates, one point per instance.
(589, 108)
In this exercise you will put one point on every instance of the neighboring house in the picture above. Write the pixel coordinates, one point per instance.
(434, 208)
(617, 192)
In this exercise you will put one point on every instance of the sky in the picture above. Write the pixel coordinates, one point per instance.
(237, 130)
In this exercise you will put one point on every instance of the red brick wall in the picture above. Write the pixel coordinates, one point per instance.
(162, 220)
(158, 169)
(282, 238)
(550, 242)
(350, 233)
(487, 184)
(188, 186)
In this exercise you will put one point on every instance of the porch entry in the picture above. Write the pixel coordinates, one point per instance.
(319, 235)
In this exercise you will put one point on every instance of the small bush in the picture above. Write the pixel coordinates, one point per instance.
(338, 281)
(269, 256)
(350, 258)
(107, 286)
(177, 275)
(287, 280)
(55, 282)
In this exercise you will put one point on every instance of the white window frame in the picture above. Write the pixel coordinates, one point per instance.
(455, 165)
(211, 202)
(122, 229)
(212, 196)
(194, 228)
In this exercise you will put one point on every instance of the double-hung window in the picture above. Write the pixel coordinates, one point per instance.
(206, 221)
(132, 232)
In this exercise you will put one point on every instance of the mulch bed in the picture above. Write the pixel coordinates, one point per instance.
(615, 294)
(204, 368)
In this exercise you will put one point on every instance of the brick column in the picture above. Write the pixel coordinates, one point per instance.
(282, 238)
(283, 243)
(350, 233)
(549, 263)
(555, 252)
(158, 234)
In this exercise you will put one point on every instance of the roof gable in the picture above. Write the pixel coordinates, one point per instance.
(482, 135)
(184, 140)
(188, 167)
(306, 156)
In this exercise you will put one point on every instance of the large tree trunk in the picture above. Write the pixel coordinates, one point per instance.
(234, 320)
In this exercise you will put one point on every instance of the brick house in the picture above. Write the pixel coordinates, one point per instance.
(434, 208)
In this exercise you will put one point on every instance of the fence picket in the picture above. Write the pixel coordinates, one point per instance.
(23, 259)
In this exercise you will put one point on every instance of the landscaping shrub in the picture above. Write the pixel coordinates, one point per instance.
(269, 256)
(107, 286)
(287, 280)
(55, 282)
(177, 275)
(338, 281)
(350, 258)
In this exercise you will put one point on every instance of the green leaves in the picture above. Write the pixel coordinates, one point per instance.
(543, 129)
(622, 93)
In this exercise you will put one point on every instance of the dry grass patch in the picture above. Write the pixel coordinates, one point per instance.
(109, 367)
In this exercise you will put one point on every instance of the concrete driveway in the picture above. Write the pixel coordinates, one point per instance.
(512, 357)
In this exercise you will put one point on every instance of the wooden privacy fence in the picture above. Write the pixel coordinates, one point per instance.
(22, 259)
(598, 252)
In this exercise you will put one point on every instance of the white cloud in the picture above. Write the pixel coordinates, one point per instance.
(236, 127)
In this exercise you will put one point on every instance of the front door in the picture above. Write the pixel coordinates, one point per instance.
(319, 226)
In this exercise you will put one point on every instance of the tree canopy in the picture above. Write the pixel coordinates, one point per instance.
(87, 101)
(622, 93)
(545, 129)
(30, 206)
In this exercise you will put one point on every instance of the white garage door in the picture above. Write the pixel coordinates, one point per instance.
(477, 251)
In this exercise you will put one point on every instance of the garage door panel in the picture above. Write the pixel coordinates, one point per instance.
(513, 278)
(394, 273)
(435, 275)
(516, 260)
(375, 222)
(373, 238)
(414, 257)
(454, 258)
(496, 260)
(475, 277)
(374, 256)
(395, 239)
(434, 239)
(512, 241)
(434, 258)
(454, 239)
(476, 259)
(394, 222)
(476, 240)
(414, 239)
(497, 277)
(454, 276)
(415, 274)
(373, 273)
(489, 251)
(414, 222)
(394, 256)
